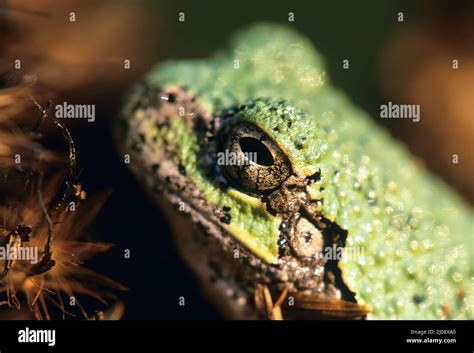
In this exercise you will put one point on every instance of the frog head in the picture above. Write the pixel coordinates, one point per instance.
(261, 165)
(245, 176)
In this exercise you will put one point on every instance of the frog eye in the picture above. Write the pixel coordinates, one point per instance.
(255, 162)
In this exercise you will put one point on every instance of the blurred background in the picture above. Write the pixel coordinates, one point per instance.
(408, 62)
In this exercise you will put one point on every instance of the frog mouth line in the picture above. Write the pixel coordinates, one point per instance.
(335, 235)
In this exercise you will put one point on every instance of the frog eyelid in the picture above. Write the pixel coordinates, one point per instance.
(260, 165)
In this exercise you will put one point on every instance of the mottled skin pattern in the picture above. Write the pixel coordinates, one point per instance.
(350, 183)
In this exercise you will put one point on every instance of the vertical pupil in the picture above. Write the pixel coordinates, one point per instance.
(257, 149)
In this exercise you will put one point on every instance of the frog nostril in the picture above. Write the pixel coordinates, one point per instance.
(258, 152)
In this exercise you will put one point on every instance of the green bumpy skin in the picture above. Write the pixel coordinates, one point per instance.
(415, 232)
